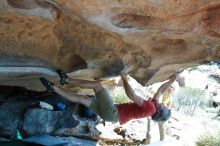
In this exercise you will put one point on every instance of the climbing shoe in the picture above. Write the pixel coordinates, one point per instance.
(49, 85)
(63, 76)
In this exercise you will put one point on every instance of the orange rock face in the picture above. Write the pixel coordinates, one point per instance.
(99, 38)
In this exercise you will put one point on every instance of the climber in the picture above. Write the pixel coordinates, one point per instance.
(103, 105)
(166, 98)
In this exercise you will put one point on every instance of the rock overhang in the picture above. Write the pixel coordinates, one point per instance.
(98, 39)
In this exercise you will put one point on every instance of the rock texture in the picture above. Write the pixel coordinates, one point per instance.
(98, 38)
(23, 113)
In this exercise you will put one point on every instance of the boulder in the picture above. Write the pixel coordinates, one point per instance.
(98, 39)
(26, 116)
(11, 114)
(40, 121)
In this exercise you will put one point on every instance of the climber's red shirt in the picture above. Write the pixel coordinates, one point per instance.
(129, 111)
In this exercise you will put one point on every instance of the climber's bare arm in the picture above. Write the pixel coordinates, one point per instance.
(130, 92)
(164, 86)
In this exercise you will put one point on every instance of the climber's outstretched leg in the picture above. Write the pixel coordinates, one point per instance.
(103, 104)
(71, 96)
(95, 85)
(67, 94)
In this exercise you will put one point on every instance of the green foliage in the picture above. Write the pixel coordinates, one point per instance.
(218, 113)
(120, 97)
(194, 68)
(209, 140)
(215, 77)
(188, 100)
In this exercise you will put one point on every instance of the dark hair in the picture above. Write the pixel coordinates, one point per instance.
(162, 114)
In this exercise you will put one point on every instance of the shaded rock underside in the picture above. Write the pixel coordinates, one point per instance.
(99, 38)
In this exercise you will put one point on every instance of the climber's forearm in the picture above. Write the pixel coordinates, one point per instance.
(131, 94)
(162, 88)
(128, 90)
